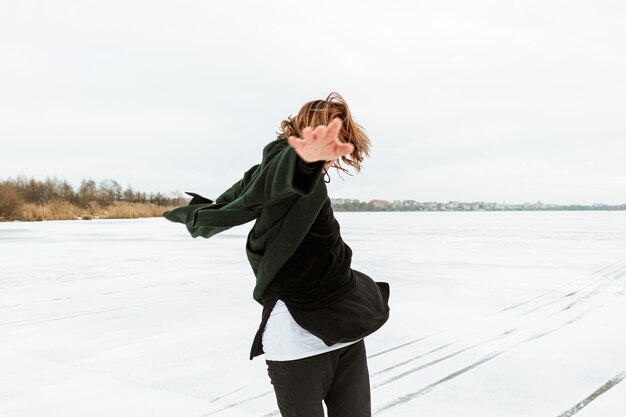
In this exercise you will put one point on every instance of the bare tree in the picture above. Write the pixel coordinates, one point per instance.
(87, 192)
(109, 191)
(128, 194)
(11, 201)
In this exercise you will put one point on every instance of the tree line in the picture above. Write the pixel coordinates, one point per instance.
(91, 196)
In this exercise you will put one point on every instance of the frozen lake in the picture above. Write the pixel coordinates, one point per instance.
(492, 314)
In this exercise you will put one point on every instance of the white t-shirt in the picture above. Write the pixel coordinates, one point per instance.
(284, 340)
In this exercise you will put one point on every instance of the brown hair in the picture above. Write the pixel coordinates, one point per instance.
(321, 112)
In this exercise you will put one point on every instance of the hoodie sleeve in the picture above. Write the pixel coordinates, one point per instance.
(286, 173)
(192, 214)
(303, 169)
(281, 173)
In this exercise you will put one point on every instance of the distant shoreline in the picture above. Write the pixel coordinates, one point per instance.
(25, 199)
(138, 211)
(62, 210)
(412, 205)
(29, 199)
(450, 211)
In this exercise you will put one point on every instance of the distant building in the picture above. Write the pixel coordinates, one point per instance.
(379, 203)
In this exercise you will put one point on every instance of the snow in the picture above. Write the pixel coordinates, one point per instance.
(492, 314)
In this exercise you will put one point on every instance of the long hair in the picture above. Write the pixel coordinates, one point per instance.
(321, 112)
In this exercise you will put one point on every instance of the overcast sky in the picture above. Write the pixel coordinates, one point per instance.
(463, 100)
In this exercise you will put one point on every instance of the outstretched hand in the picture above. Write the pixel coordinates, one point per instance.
(321, 143)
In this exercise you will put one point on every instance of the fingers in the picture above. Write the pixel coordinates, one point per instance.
(349, 148)
(330, 133)
(322, 142)
(319, 132)
(343, 149)
(295, 141)
(325, 132)
(334, 127)
(307, 132)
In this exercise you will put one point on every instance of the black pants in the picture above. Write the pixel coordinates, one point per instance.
(340, 378)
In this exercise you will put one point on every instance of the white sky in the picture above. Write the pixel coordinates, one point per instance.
(482, 100)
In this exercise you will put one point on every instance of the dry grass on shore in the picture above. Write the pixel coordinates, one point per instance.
(62, 210)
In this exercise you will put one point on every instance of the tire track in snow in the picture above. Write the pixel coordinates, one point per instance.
(415, 394)
(87, 312)
(226, 394)
(604, 388)
(571, 294)
(76, 314)
(410, 396)
(431, 363)
(499, 336)
(514, 306)
(236, 403)
(482, 342)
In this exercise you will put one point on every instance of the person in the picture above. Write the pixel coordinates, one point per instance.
(317, 309)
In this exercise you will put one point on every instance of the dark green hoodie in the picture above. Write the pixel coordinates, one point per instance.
(284, 210)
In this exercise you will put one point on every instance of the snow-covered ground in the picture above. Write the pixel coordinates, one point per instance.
(492, 314)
